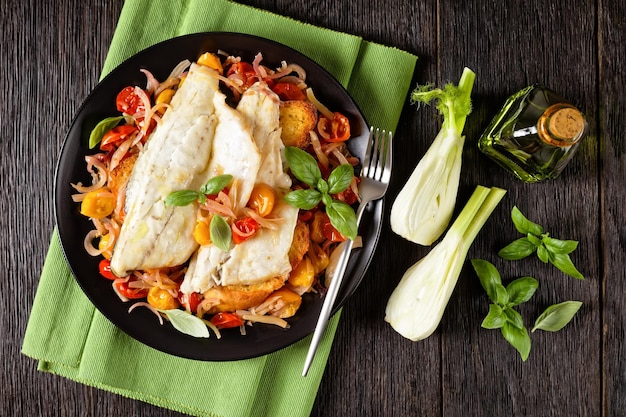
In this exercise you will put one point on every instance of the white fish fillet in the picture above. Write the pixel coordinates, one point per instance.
(175, 157)
(265, 255)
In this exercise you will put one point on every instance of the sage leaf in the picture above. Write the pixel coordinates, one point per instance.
(343, 218)
(556, 316)
(564, 263)
(303, 166)
(96, 135)
(304, 199)
(216, 184)
(495, 319)
(221, 234)
(521, 290)
(518, 249)
(518, 338)
(489, 277)
(186, 323)
(340, 178)
(523, 225)
(181, 198)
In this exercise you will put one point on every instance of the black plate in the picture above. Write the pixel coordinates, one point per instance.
(141, 324)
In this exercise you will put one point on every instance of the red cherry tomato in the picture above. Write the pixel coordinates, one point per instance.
(226, 320)
(243, 71)
(191, 301)
(347, 196)
(335, 130)
(244, 229)
(105, 269)
(330, 233)
(114, 137)
(132, 293)
(128, 101)
(288, 91)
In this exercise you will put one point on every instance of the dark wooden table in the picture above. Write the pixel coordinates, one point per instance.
(52, 54)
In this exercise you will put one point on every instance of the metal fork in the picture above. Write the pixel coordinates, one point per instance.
(375, 176)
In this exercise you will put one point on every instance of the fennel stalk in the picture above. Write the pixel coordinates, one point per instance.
(416, 306)
(422, 210)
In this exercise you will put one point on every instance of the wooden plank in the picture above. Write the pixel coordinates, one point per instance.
(511, 47)
(612, 148)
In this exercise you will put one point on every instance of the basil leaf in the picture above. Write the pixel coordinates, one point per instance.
(514, 317)
(521, 289)
(304, 199)
(518, 249)
(488, 276)
(523, 225)
(221, 234)
(495, 319)
(186, 323)
(216, 184)
(533, 239)
(322, 186)
(556, 316)
(564, 263)
(559, 246)
(342, 217)
(340, 178)
(303, 165)
(518, 338)
(101, 128)
(502, 296)
(181, 198)
(543, 254)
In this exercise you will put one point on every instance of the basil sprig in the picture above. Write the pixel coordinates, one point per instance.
(548, 249)
(503, 316)
(186, 197)
(304, 167)
(219, 229)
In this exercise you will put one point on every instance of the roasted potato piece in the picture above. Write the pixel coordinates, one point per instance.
(297, 119)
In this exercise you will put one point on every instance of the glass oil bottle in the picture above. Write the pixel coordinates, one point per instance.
(535, 134)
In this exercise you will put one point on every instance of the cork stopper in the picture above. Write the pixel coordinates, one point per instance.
(561, 125)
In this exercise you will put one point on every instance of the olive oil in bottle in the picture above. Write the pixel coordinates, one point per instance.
(535, 134)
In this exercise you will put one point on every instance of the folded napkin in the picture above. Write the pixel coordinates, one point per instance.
(69, 337)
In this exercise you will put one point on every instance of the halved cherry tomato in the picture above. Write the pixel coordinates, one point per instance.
(114, 137)
(335, 130)
(105, 269)
(132, 293)
(190, 301)
(244, 229)
(288, 91)
(127, 101)
(226, 320)
(244, 71)
(330, 232)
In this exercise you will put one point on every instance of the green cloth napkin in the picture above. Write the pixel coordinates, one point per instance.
(70, 338)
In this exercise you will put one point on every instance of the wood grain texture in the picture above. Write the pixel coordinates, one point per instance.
(52, 54)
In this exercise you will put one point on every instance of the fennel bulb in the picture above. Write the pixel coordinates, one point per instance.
(417, 304)
(422, 210)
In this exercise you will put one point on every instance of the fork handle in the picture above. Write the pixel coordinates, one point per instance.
(331, 295)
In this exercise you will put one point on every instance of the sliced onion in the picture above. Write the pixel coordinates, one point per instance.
(152, 83)
(317, 147)
(149, 307)
(180, 68)
(320, 107)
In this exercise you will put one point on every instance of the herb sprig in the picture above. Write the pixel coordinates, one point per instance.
(548, 249)
(304, 167)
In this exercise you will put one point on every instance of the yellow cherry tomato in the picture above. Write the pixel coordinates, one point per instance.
(212, 61)
(303, 274)
(262, 199)
(98, 204)
(103, 243)
(202, 233)
(291, 303)
(162, 299)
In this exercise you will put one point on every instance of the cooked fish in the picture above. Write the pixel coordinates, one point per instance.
(175, 157)
(265, 255)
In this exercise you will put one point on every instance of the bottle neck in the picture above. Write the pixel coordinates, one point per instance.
(561, 125)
